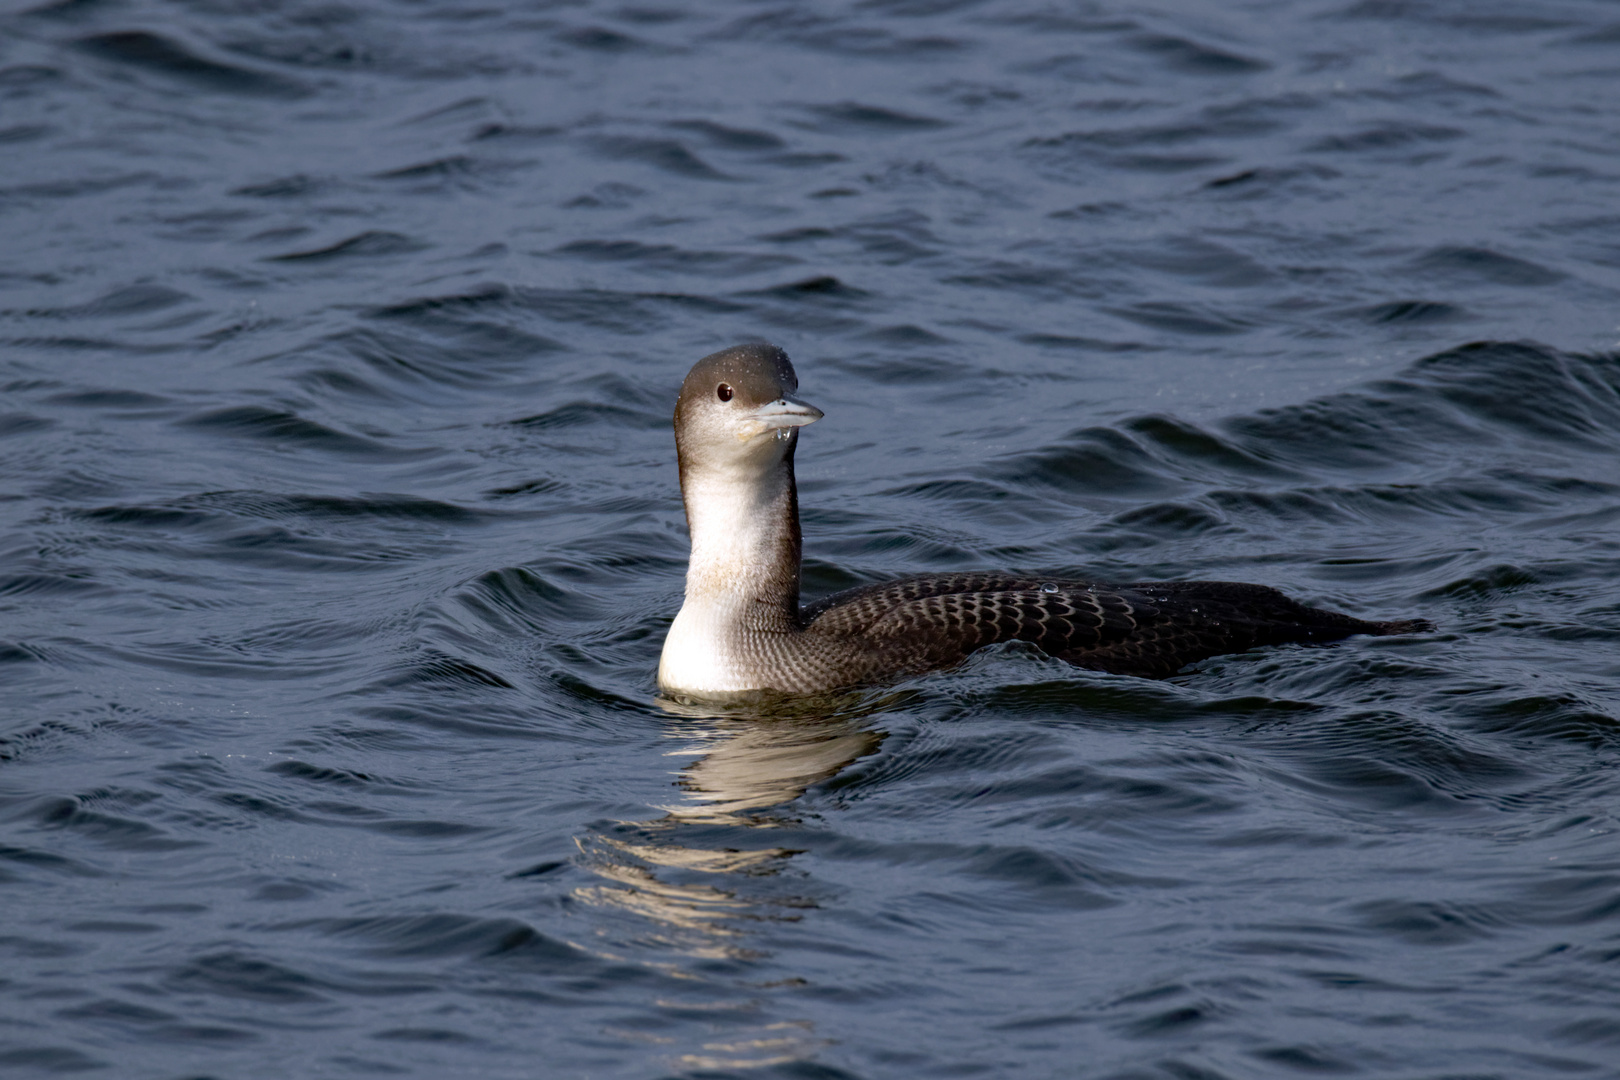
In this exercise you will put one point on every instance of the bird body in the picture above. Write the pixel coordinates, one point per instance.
(741, 628)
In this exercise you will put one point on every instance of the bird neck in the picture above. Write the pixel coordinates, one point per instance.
(745, 542)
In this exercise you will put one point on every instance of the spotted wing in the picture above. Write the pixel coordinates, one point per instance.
(924, 623)
(1151, 629)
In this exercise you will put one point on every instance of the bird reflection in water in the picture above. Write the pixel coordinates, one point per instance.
(745, 765)
(690, 869)
(707, 869)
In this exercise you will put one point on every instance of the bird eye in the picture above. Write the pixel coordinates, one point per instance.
(723, 392)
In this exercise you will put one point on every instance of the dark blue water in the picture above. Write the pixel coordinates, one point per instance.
(338, 344)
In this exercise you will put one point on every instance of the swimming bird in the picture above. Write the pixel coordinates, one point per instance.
(741, 628)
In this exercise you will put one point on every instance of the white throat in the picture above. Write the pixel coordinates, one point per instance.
(742, 579)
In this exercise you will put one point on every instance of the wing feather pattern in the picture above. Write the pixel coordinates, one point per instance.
(1150, 629)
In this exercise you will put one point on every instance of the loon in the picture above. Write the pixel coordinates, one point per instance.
(741, 629)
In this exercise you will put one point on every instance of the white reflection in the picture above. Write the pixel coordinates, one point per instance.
(691, 880)
(743, 774)
(746, 766)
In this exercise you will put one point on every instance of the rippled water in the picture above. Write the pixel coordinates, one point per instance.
(338, 343)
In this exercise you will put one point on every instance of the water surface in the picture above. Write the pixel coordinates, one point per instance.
(338, 343)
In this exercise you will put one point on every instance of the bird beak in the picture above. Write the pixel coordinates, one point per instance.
(786, 412)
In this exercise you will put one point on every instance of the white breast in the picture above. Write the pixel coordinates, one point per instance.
(740, 511)
(698, 656)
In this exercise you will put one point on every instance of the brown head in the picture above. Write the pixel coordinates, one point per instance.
(737, 413)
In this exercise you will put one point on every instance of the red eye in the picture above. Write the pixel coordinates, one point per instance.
(723, 392)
